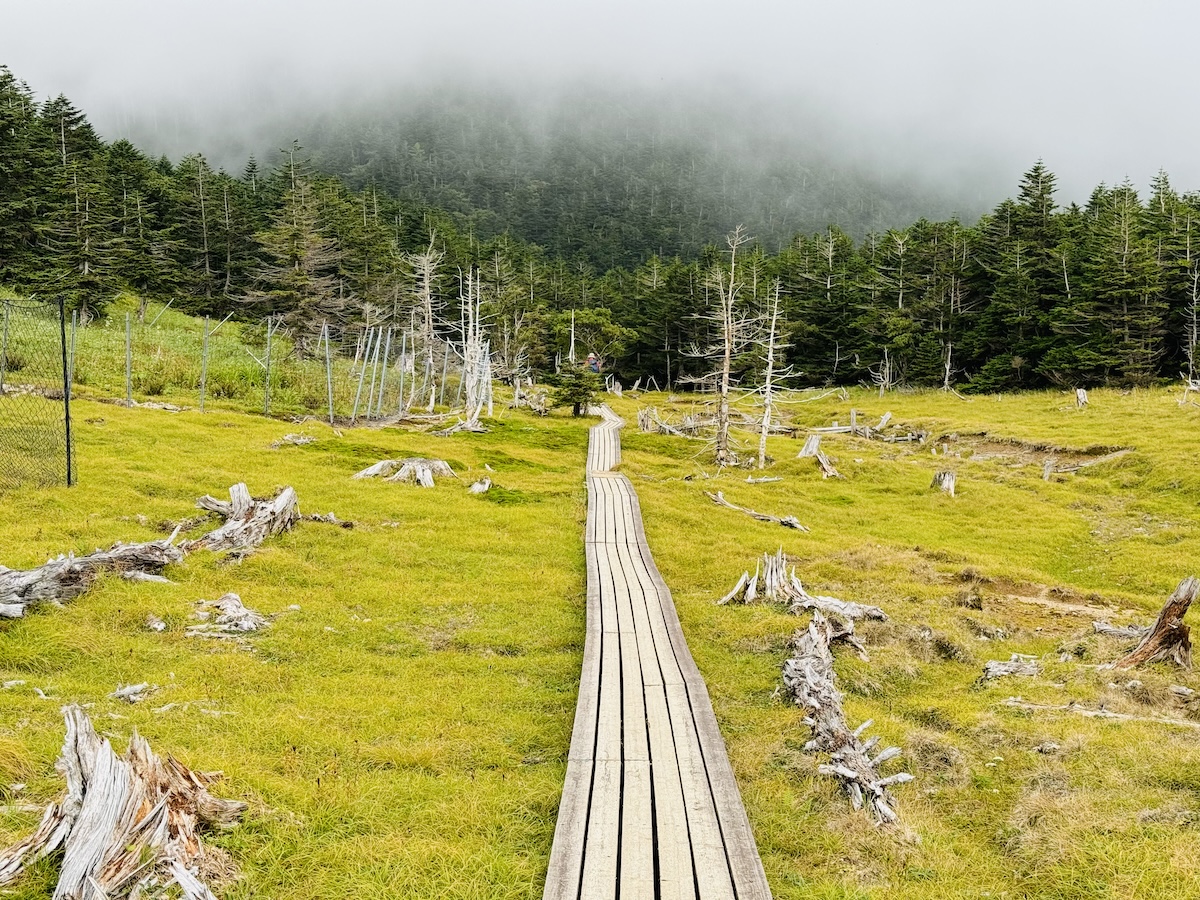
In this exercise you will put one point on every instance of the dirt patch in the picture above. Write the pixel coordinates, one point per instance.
(981, 446)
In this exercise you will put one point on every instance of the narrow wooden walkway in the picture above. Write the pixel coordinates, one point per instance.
(650, 808)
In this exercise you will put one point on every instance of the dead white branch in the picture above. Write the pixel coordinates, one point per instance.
(786, 521)
(809, 677)
(128, 825)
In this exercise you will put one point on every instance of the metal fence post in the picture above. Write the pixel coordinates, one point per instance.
(204, 364)
(267, 380)
(128, 359)
(4, 348)
(328, 368)
(62, 334)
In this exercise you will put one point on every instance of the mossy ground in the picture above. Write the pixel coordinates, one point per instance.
(404, 733)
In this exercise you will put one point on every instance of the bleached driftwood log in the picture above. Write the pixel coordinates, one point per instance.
(1168, 637)
(415, 469)
(774, 583)
(128, 824)
(1136, 632)
(1017, 664)
(812, 446)
(482, 486)
(248, 521)
(944, 481)
(786, 521)
(69, 576)
(809, 677)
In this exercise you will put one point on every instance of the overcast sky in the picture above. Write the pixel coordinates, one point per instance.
(1099, 89)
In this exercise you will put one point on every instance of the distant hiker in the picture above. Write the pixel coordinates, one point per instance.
(593, 363)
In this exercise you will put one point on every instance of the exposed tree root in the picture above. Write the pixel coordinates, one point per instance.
(248, 521)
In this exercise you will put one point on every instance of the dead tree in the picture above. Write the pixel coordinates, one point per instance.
(768, 388)
(1081, 398)
(733, 334)
(248, 521)
(129, 825)
(808, 676)
(476, 363)
(425, 273)
(1168, 638)
(66, 577)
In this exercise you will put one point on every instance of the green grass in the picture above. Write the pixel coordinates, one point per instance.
(404, 733)
(1113, 813)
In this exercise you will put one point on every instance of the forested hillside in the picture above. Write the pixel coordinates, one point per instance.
(1033, 294)
(598, 174)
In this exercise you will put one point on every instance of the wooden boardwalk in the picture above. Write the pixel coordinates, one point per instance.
(650, 808)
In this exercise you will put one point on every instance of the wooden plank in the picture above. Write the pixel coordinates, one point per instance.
(599, 880)
(637, 831)
(583, 731)
(676, 877)
(565, 874)
(708, 847)
(608, 725)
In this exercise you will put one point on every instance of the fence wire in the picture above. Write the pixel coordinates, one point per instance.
(35, 443)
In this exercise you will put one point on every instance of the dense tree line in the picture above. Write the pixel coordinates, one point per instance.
(1033, 294)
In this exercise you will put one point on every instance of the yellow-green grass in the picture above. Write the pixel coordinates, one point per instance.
(404, 732)
(1113, 812)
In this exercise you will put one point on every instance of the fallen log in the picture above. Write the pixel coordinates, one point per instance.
(128, 825)
(1136, 632)
(1020, 703)
(786, 521)
(1017, 664)
(248, 521)
(66, 577)
(1168, 637)
(809, 677)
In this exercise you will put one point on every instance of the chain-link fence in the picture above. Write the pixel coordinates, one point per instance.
(35, 420)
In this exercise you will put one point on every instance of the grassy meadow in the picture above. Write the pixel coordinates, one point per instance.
(404, 732)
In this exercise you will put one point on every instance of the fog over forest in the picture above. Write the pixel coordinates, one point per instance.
(948, 99)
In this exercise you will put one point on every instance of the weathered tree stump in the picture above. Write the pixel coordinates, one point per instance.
(415, 469)
(248, 521)
(482, 486)
(812, 446)
(127, 825)
(66, 577)
(1168, 637)
(826, 467)
(1081, 398)
(944, 481)
(809, 677)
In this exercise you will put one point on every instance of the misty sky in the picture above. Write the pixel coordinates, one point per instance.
(1100, 89)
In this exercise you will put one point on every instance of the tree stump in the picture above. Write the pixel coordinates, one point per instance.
(812, 446)
(1168, 637)
(944, 481)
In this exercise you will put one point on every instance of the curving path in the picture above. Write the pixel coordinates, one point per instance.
(650, 808)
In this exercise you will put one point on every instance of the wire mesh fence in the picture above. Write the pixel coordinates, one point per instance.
(347, 373)
(35, 423)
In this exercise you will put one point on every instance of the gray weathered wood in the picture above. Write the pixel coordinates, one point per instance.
(650, 807)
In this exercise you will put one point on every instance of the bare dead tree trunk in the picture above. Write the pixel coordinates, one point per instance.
(768, 385)
(728, 291)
